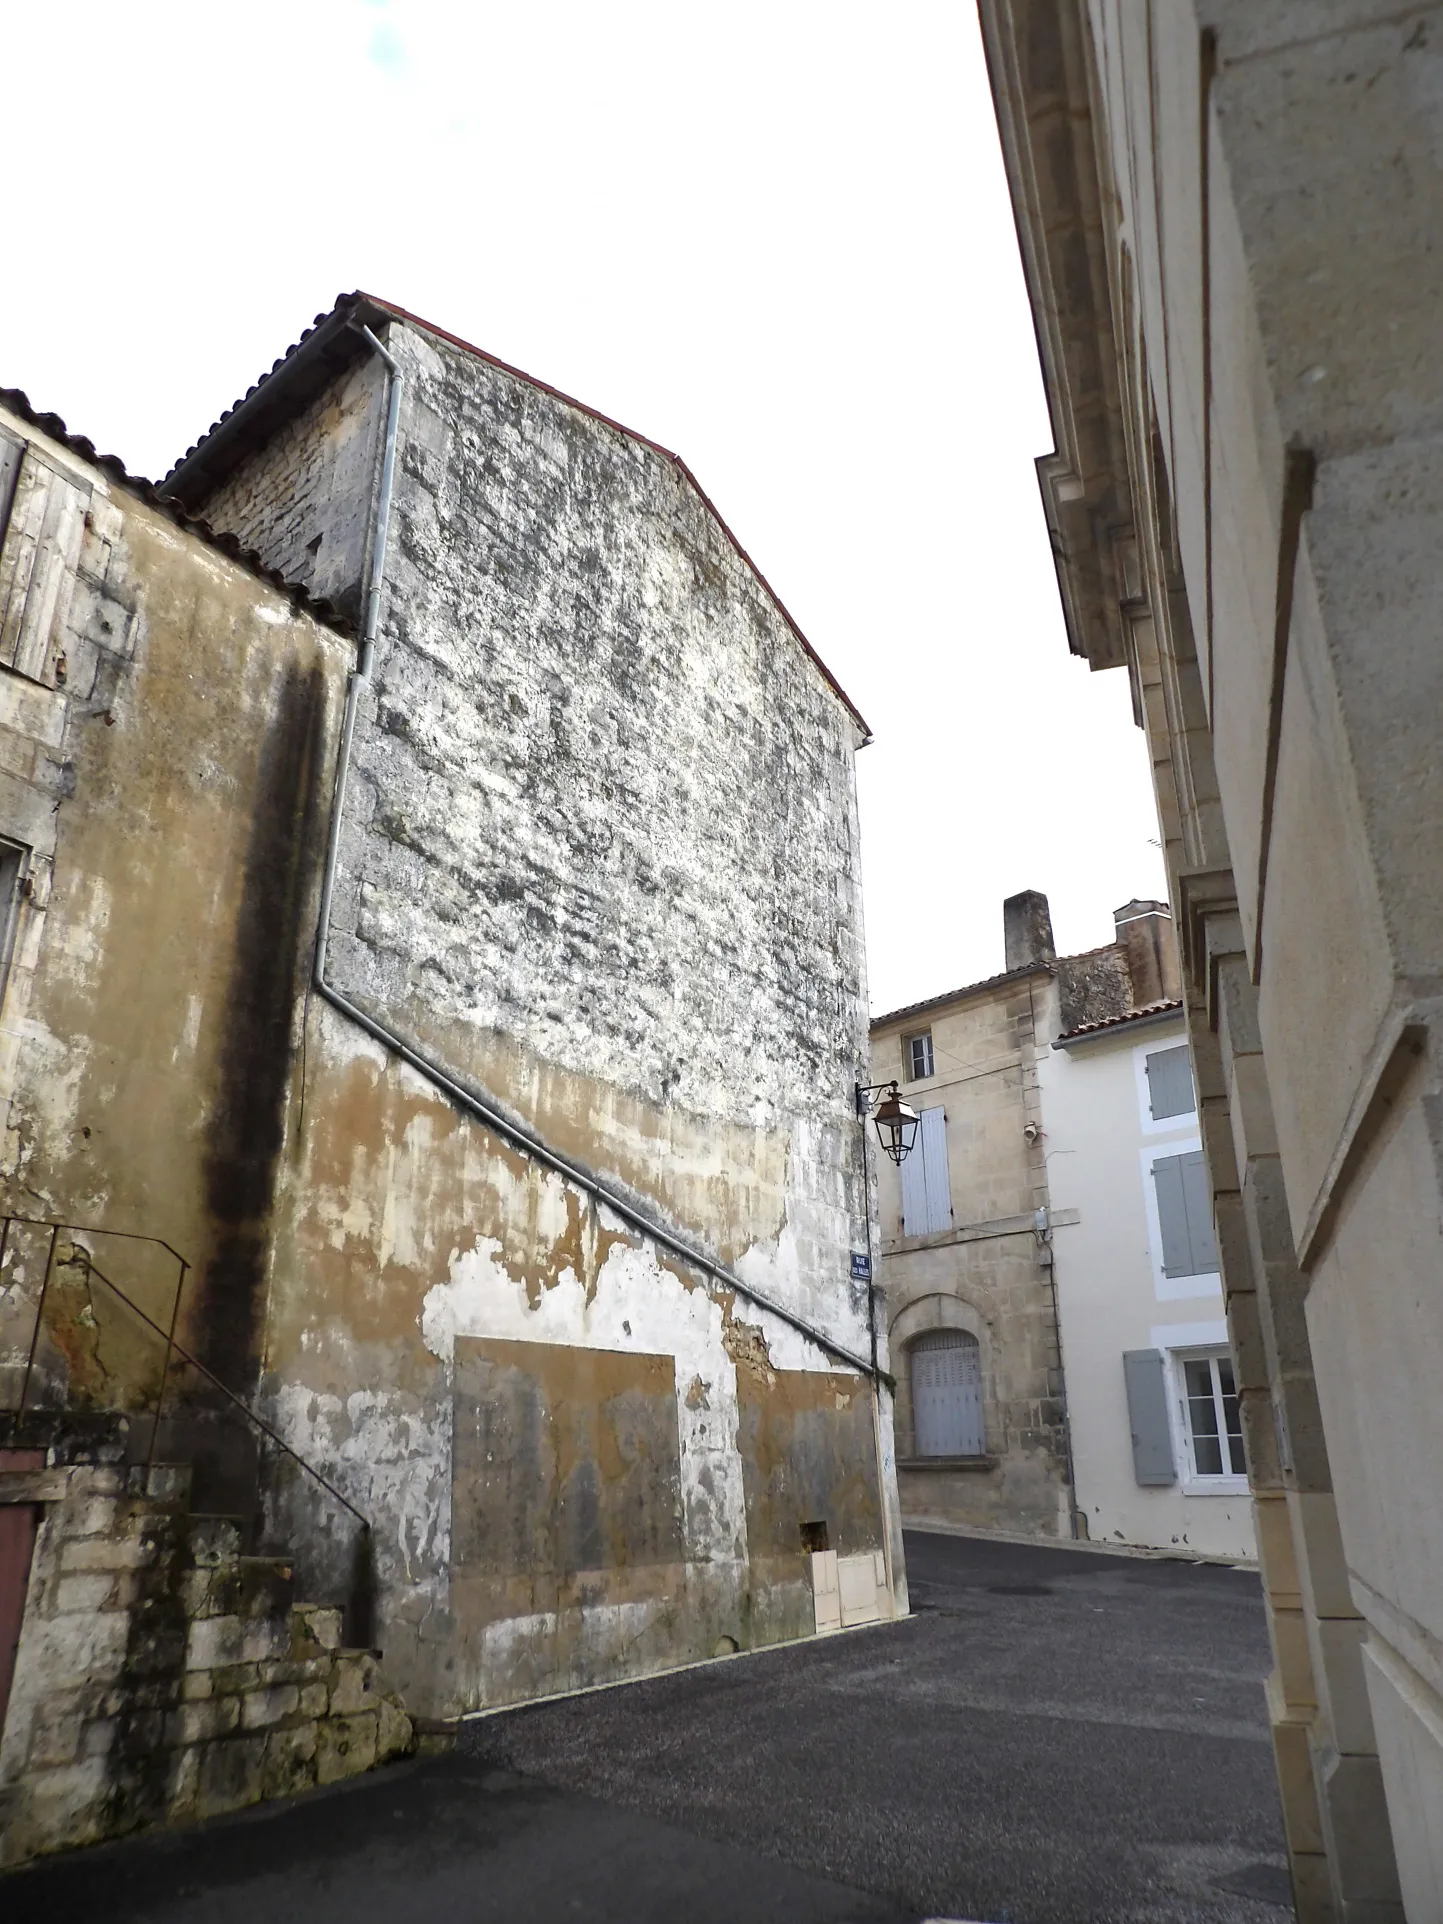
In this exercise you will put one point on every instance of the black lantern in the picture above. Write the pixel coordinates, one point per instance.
(896, 1120)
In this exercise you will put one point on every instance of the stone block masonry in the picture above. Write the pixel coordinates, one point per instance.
(162, 1678)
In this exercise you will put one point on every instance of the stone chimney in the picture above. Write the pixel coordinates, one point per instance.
(1146, 937)
(1027, 929)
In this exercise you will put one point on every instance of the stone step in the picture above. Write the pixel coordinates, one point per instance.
(273, 1704)
(172, 1675)
(219, 1539)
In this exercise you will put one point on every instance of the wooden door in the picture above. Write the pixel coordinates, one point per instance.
(18, 1525)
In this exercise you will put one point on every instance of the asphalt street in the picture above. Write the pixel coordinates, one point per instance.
(1055, 1737)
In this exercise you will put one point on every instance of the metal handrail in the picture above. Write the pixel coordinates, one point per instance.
(173, 1348)
(88, 1229)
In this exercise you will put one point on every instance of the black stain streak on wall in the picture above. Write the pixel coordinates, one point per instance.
(246, 1131)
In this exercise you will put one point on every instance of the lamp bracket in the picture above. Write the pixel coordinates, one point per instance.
(867, 1090)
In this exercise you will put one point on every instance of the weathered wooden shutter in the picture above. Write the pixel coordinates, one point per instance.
(12, 453)
(43, 533)
(1145, 1375)
(1198, 1201)
(1185, 1215)
(947, 1394)
(933, 1142)
(914, 1190)
(1169, 1083)
(1172, 1216)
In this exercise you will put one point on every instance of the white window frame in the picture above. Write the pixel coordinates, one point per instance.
(1171, 1289)
(918, 1035)
(1190, 1480)
(1168, 1125)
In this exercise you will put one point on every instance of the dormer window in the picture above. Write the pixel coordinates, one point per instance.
(918, 1050)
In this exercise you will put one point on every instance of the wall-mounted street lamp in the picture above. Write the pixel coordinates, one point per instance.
(897, 1124)
(896, 1121)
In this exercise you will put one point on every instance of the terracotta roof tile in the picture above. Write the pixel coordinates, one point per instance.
(1116, 1021)
(970, 988)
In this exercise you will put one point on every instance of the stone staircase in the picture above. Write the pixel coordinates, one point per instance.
(163, 1674)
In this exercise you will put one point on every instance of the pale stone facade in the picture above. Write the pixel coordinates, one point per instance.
(973, 1264)
(1229, 216)
(1022, 1208)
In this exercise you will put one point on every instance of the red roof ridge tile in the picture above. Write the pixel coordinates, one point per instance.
(355, 299)
(1128, 1015)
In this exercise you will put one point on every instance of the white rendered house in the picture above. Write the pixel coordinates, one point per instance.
(1156, 1440)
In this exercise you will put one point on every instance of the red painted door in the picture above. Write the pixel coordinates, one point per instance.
(18, 1524)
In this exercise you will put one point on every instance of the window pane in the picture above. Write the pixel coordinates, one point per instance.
(919, 1051)
(1207, 1445)
(1198, 1377)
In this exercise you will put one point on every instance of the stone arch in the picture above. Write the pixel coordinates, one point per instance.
(940, 1309)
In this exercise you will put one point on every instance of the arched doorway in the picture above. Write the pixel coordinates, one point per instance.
(947, 1394)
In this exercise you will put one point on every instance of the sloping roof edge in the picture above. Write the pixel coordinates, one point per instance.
(1150, 1012)
(329, 345)
(956, 995)
(114, 469)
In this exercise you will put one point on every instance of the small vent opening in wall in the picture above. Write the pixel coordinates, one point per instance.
(815, 1538)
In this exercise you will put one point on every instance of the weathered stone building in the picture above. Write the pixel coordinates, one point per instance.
(973, 1236)
(1229, 217)
(499, 1094)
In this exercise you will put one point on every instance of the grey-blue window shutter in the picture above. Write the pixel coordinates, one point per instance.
(1169, 1083)
(1145, 1375)
(914, 1191)
(933, 1133)
(1198, 1202)
(1172, 1216)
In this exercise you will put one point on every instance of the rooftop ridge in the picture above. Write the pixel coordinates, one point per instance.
(346, 304)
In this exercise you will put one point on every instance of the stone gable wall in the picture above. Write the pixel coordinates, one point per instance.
(307, 504)
(600, 858)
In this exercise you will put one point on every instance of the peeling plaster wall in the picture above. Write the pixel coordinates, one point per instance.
(603, 862)
(169, 794)
(601, 856)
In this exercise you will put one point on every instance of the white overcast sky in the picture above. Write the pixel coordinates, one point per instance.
(774, 236)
